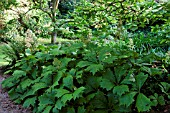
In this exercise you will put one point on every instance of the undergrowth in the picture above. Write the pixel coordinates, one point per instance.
(89, 78)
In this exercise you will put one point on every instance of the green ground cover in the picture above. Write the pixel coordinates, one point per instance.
(2, 60)
(40, 41)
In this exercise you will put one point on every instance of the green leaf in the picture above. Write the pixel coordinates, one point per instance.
(93, 83)
(60, 92)
(110, 59)
(26, 83)
(57, 52)
(65, 61)
(127, 99)
(27, 93)
(38, 86)
(154, 103)
(46, 99)
(19, 73)
(104, 53)
(66, 97)
(81, 109)
(7, 83)
(57, 78)
(143, 103)
(99, 101)
(78, 92)
(119, 72)
(106, 84)
(129, 79)
(59, 104)
(155, 71)
(56, 62)
(109, 75)
(55, 110)
(90, 96)
(161, 100)
(71, 110)
(140, 80)
(119, 90)
(68, 81)
(13, 94)
(29, 101)
(93, 68)
(41, 108)
(47, 109)
(82, 64)
(165, 87)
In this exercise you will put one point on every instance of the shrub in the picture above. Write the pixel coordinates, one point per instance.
(14, 50)
(87, 77)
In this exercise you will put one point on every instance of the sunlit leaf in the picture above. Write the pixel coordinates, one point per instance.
(143, 103)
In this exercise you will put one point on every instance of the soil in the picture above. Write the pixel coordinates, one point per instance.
(6, 105)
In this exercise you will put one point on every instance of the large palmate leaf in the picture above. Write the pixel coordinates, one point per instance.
(143, 103)
(93, 68)
(119, 90)
(140, 80)
(106, 84)
(127, 99)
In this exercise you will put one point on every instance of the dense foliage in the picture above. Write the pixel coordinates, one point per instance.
(88, 77)
(120, 61)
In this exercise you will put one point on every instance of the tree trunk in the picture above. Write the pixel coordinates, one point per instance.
(53, 37)
(53, 11)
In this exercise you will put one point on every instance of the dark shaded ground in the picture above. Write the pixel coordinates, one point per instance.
(6, 105)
